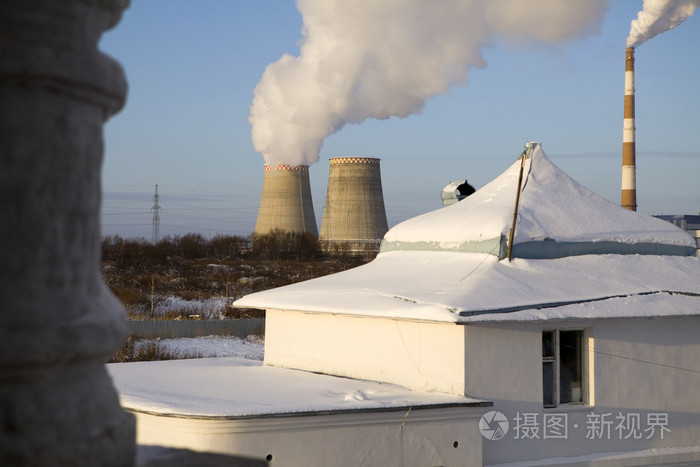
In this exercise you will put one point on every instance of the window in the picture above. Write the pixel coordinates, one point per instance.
(562, 367)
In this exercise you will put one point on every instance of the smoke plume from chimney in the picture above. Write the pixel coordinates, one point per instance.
(658, 16)
(363, 59)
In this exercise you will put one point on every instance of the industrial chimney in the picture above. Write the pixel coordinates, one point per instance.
(286, 203)
(354, 219)
(629, 177)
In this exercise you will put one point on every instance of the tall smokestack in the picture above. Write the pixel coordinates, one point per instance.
(286, 202)
(354, 219)
(629, 164)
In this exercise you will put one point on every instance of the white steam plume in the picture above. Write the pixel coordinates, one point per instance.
(658, 16)
(364, 59)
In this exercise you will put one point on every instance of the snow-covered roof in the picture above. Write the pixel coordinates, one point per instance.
(557, 217)
(447, 265)
(237, 388)
(458, 287)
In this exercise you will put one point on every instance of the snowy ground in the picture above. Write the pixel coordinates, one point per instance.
(251, 348)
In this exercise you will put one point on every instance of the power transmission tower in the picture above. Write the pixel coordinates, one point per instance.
(156, 218)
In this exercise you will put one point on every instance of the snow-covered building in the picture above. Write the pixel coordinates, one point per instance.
(579, 322)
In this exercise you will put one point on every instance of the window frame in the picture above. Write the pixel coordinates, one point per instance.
(555, 360)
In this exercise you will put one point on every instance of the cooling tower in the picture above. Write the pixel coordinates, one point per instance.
(286, 203)
(629, 169)
(354, 219)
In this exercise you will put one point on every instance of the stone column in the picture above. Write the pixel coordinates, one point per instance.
(58, 321)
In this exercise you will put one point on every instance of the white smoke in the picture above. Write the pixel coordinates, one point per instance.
(658, 16)
(364, 59)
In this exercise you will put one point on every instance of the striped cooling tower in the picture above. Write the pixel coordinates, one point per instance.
(354, 219)
(629, 169)
(286, 202)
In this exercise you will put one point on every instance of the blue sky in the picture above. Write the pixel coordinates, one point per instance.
(192, 67)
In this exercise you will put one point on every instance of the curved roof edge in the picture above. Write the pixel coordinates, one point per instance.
(493, 246)
(543, 249)
(551, 249)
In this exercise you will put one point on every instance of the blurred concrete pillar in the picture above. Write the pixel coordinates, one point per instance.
(58, 321)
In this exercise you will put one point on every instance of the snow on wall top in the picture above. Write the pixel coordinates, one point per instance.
(654, 305)
(234, 388)
(557, 217)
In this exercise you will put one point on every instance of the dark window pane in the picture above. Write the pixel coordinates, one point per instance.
(548, 384)
(570, 367)
(548, 344)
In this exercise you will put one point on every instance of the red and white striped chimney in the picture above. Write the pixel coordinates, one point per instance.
(629, 164)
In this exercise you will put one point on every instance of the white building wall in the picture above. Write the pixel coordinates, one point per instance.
(419, 355)
(445, 437)
(504, 365)
(500, 365)
(652, 365)
(635, 368)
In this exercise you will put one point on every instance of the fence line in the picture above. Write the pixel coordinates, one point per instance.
(169, 329)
